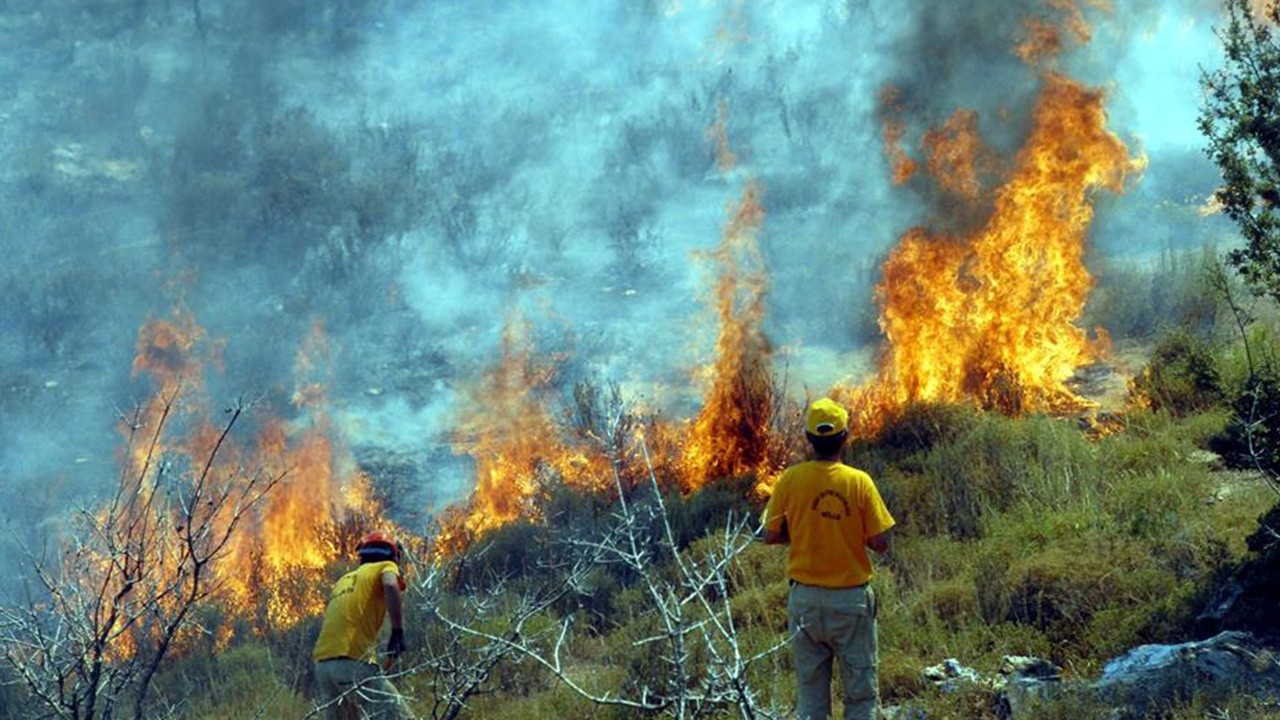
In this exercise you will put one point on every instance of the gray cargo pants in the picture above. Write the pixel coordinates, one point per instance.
(834, 623)
(353, 690)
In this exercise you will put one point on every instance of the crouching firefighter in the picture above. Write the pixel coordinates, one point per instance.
(352, 683)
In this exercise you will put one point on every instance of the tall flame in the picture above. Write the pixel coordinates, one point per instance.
(991, 316)
(299, 528)
(516, 442)
(731, 434)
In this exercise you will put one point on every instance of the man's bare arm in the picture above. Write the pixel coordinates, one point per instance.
(391, 596)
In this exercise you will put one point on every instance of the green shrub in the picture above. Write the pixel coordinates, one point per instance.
(244, 681)
(1136, 301)
(990, 465)
(1251, 438)
(1182, 376)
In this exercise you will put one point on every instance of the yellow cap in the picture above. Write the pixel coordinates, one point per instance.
(826, 417)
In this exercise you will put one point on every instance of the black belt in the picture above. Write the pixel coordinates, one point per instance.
(794, 583)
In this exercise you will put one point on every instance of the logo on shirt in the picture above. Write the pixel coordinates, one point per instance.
(831, 509)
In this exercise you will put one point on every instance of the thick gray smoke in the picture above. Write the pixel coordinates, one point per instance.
(412, 175)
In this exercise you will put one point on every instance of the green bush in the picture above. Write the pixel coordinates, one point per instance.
(1182, 376)
(988, 465)
(1251, 438)
(244, 681)
(917, 429)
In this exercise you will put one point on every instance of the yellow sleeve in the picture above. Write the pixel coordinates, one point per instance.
(388, 566)
(875, 516)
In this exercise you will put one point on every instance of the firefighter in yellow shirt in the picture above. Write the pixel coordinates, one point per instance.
(830, 514)
(351, 681)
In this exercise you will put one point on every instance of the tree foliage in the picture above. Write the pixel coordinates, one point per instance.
(1240, 116)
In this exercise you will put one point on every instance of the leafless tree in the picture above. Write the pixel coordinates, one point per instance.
(702, 668)
(101, 616)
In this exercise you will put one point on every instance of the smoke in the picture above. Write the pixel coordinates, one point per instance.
(413, 174)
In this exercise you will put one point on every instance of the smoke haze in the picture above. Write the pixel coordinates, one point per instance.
(413, 176)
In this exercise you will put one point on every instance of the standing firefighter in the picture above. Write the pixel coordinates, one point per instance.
(830, 514)
(351, 681)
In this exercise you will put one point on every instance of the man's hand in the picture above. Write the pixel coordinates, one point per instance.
(395, 643)
(880, 543)
(781, 536)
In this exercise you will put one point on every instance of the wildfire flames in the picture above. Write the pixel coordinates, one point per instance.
(277, 554)
(297, 532)
(515, 442)
(987, 315)
(731, 435)
(991, 316)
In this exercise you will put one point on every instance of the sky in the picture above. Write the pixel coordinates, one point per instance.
(412, 177)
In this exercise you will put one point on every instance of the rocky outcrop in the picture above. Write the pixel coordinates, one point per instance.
(1134, 685)
(1152, 676)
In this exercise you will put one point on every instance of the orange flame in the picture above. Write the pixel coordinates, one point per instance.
(893, 130)
(298, 528)
(991, 317)
(730, 436)
(718, 134)
(1044, 38)
(515, 442)
(954, 152)
(279, 551)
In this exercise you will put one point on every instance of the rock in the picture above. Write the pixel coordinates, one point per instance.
(1204, 457)
(1027, 667)
(1026, 681)
(1151, 677)
(950, 674)
(1143, 681)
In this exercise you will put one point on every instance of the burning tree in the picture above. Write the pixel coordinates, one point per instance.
(125, 591)
(733, 433)
(196, 519)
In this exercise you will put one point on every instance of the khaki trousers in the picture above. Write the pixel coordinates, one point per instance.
(353, 690)
(834, 623)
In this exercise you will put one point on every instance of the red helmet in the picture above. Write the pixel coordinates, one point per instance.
(378, 546)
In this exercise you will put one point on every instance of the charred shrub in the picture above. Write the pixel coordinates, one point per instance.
(709, 508)
(1182, 376)
(920, 427)
(518, 549)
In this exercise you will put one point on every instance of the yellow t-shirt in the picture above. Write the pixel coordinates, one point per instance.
(830, 510)
(354, 614)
